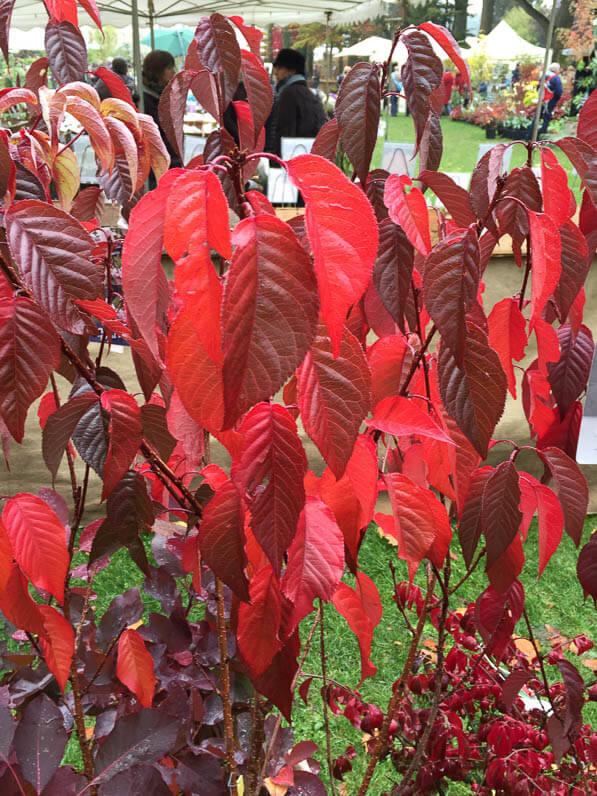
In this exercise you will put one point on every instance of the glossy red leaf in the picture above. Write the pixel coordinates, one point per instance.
(548, 346)
(568, 376)
(126, 435)
(587, 124)
(270, 471)
(59, 427)
(571, 488)
(189, 433)
(586, 569)
(501, 516)
(348, 604)
(497, 615)
(357, 111)
(389, 360)
(546, 253)
(29, 352)
(450, 286)
(115, 84)
(144, 283)
(16, 603)
(470, 525)
(38, 540)
(52, 252)
(409, 211)
(219, 53)
(222, 539)
(134, 667)
(58, 645)
(421, 74)
(474, 396)
(343, 252)
(393, 269)
(259, 90)
(259, 622)
(575, 267)
(66, 51)
(449, 44)
(269, 313)
(507, 336)
(251, 33)
(399, 416)
(453, 197)
(333, 397)
(315, 559)
(326, 140)
(549, 515)
(556, 193)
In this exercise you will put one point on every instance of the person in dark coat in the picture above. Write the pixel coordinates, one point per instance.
(119, 67)
(158, 71)
(297, 111)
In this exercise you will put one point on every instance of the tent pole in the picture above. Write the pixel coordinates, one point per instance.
(546, 61)
(328, 44)
(137, 53)
(151, 9)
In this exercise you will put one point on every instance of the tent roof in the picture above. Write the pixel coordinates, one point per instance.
(504, 44)
(378, 49)
(26, 13)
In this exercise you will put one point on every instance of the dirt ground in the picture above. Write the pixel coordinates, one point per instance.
(28, 471)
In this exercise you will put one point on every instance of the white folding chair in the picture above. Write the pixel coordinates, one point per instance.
(397, 158)
(291, 147)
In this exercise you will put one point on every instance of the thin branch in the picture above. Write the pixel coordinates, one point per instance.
(326, 720)
(225, 678)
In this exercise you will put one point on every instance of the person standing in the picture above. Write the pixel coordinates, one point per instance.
(297, 111)
(516, 74)
(447, 83)
(316, 78)
(158, 71)
(554, 86)
(395, 85)
(119, 67)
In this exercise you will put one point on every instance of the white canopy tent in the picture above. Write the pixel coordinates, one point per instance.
(504, 44)
(378, 49)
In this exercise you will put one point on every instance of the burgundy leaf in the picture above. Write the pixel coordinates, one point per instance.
(219, 53)
(549, 514)
(333, 396)
(393, 269)
(512, 218)
(258, 88)
(571, 488)
(52, 251)
(470, 526)
(497, 615)
(430, 154)
(29, 352)
(259, 622)
(66, 51)
(37, 75)
(449, 44)
(484, 183)
(60, 426)
(586, 569)
(454, 198)
(28, 184)
(40, 741)
(421, 74)
(126, 435)
(575, 267)
(269, 313)
(155, 430)
(357, 111)
(222, 539)
(6, 7)
(88, 204)
(575, 686)
(513, 685)
(172, 107)
(277, 682)
(450, 286)
(568, 376)
(474, 396)
(270, 470)
(501, 517)
(326, 140)
(587, 124)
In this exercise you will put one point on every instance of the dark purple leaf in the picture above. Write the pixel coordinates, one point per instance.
(172, 106)
(431, 144)
(202, 773)
(6, 7)
(470, 526)
(500, 514)
(484, 183)
(40, 741)
(66, 51)
(219, 53)
(7, 731)
(393, 269)
(512, 686)
(497, 615)
(65, 782)
(357, 111)
(124, 610)
(61, 425)
(28, 184)
(575, 267)
(326, 140)
(575, 687)
(568, 376)
(421, 74)
(155, 429)
(586, 569)
(137, 780)
(454, 198)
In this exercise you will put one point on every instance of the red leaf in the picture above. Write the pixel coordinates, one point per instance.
(507, 336)
(454, 198)
(415, 518)
(343, 252)
(501, 517)
(450, 286)
(115, 84)
(59, 427)
(389, 361)
(52, 251)
(513, 685)
(575, 689)
(134, 667)
(470, 526)
(259, 90)
(91, 7)
(400, 416)
(348, 604)
(29, 352)
(269, 313)
(277, 681)
(38, 540)
(568, 377)
(586, 569)
(58, 646)
(560, 433)
(497, 616)
(587, 124)
(571, 488)
(6, 558)
(315, 559)
(126, 435)
(326, 140)
(409, 211)
(548, 346)
(259, 621)
(18, 607)
(449, 44)
(549, 515)
(421, 74)
(475, 395)
(196, 376)
(333, 397)
(66, 51)
(546, 253)
(189, 433)
(575, 268)
(556, 193)
(222, 539)
(393, 269)
(271, 469)
(357, 111)
(252, 34)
